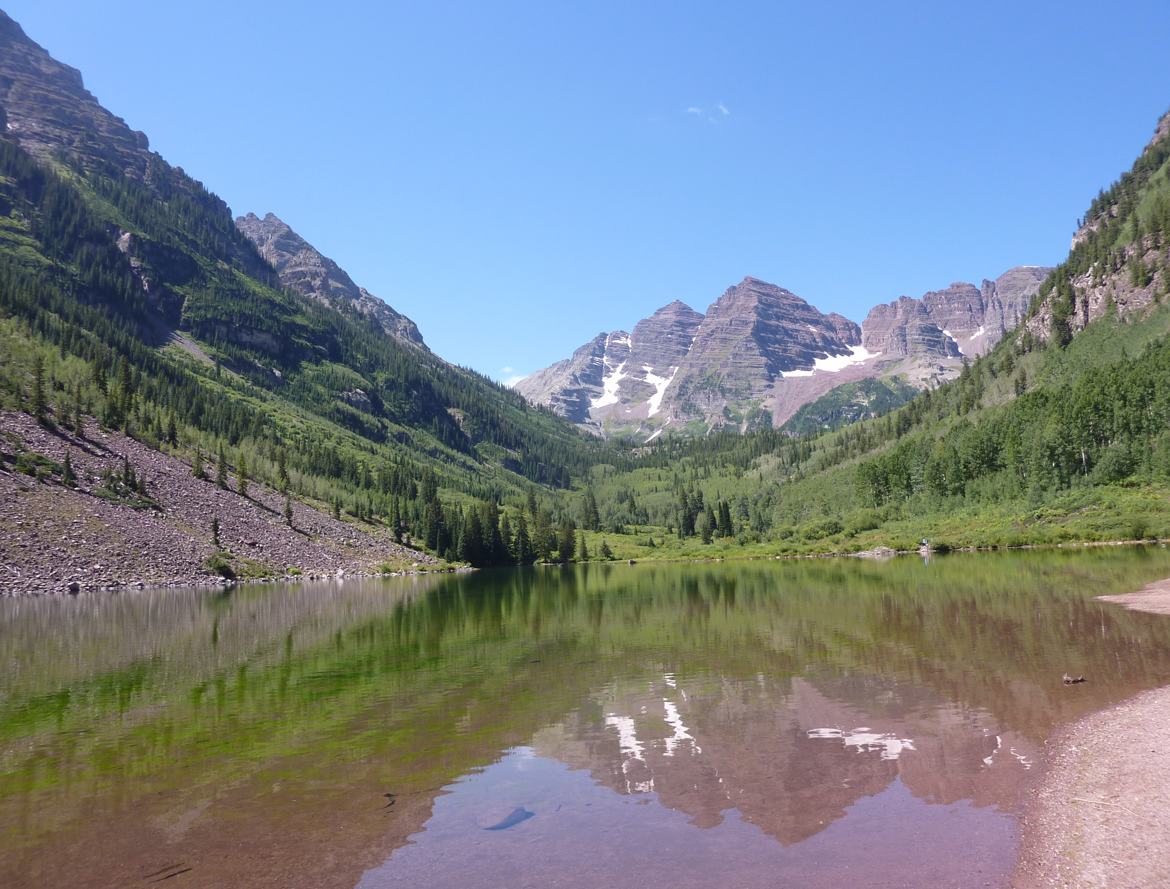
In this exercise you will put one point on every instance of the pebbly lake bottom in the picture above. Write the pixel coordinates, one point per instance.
(809, 723)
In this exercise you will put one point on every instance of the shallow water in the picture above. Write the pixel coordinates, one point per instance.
(809, 723)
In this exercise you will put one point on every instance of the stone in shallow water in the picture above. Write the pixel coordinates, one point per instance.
(517, 816)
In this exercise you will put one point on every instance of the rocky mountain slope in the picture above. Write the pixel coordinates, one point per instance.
(303, 268)
(1118, 259)
(92, 534)
(962, 320)
(761, 352)
(45, 105)
(618, 373)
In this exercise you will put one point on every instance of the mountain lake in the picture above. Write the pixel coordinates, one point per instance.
(812, 723)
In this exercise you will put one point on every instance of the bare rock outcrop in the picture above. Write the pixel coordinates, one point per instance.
(959, 321)
(664, 339)
(1119, 290)
(750, 338)
(618, 378)
(571, 385)
(303, 268)
(49, 111)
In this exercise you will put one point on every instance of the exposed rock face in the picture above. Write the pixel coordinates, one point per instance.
(1115, 290)
(759, 330)
(751, 337)
(1008, 298)
(904, 327)
(679, 366)
(761, 352)
(962, 320)
(1123, 286)
(48, 110)
(618, 377)
(303, 269)
(663, 340)
(571, 386)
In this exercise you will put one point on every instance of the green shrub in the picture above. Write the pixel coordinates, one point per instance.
(220, 563)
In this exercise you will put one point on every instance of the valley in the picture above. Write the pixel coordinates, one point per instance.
(743, 590)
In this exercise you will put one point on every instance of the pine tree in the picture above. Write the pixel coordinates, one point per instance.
(98, 375)
(566, 540)
(288, 511)
(197, 469)
(38, 394)
(542, 535)
(215, 531)
(67, 477)
(606, 552)
(282, 469)
(723, 523)
(582, 549)
(221, 472)
(395, 521)
(471, 539)
(78, 414)
(590, 518)
(172, 430)
(434, 525)
(523, 545)
(242, 475)
(508, 539)
(493, 550)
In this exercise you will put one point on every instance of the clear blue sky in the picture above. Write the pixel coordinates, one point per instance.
(519, 176)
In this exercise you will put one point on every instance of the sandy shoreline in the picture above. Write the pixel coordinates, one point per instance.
(1100, 817)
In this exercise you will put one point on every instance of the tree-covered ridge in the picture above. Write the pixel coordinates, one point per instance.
(850, 403)
(151, 311)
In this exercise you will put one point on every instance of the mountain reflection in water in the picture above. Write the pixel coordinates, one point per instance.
(658, 724)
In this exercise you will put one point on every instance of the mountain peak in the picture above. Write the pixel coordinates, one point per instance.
(47, 108)
(959, 320)
(761, 352)
(674, 307)
(303, 268)
(1162, 130)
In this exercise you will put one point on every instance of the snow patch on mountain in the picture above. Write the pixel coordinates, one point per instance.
(834, 363)
(609, 386)
(660, 384)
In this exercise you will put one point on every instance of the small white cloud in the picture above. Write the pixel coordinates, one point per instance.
(506, 370)
(715, 113)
